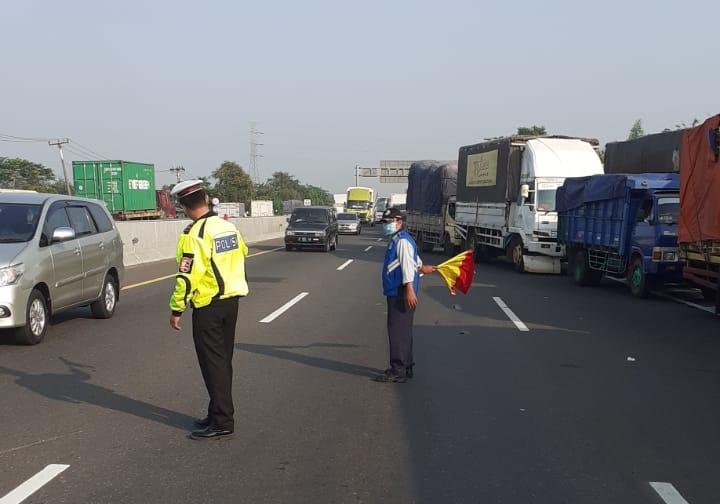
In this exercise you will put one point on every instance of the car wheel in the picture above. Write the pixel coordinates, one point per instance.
(104, 308)
(37, 317)
(334, 244)
(636, 278)
(327, 246)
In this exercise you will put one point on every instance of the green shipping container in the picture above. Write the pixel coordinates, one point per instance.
(124, 186)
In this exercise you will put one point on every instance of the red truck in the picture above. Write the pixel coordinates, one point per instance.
(699, 224)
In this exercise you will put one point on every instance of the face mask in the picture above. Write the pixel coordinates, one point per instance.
(389, 228)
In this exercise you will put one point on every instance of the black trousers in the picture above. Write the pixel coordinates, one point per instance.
(400, 333)
(214, 336)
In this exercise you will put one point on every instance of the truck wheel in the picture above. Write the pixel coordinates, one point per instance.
(104, 308)
(37, 317)
(637, 279)
(582, 273)
(471, 243)
(448, 246)
(518, 255)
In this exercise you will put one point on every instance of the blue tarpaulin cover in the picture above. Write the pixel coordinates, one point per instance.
(430, 184)
(580, 190)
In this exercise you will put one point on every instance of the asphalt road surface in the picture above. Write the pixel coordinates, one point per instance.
(603, 399)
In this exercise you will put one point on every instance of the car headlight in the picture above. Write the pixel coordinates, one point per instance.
(319, 233)
(289, 233)
(11, 274)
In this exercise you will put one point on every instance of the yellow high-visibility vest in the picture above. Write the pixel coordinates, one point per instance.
(211, 264)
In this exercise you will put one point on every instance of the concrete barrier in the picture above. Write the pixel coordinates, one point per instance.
(149, 241)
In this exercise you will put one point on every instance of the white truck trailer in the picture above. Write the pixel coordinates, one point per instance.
(506, 196)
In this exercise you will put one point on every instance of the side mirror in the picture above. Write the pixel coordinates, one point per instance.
(63, 234)
(525, 191)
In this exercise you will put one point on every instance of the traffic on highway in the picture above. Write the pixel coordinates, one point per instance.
(524, 389)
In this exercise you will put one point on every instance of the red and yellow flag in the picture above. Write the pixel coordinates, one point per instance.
(458, 272)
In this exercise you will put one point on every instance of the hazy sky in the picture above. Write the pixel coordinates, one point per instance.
(332, 83)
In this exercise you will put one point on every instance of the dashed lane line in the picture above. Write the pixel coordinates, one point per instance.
(33, 484)
(160, 279)
(668, 493)
(368, 249)
(282, 309)
(511, 315)
(345, 264)
(379, 239)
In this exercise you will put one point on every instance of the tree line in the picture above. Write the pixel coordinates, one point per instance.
(229, 182)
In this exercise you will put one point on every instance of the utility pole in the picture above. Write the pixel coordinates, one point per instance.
(178, 171)
(254, 172)
(59, 143)
(357, 175)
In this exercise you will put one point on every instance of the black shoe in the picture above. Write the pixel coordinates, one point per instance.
(390, 377)
(409, 373)
(201, 423)
(211, 433)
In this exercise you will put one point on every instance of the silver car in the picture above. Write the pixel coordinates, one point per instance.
(349, 223)
(56, 252)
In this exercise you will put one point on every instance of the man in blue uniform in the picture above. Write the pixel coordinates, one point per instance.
(401, 282)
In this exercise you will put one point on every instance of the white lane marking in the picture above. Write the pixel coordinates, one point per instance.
(668, 493)
(379, 239)
(665, 295)
(708, 309)
(160, 279)
(282, 309)
(345, 264)
(510, 314)
(33, 484)
(367, 249)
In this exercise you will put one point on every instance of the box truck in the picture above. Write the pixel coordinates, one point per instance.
(431, 205)
(506, 196)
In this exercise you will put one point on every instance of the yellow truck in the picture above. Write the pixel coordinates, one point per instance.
(360, 201)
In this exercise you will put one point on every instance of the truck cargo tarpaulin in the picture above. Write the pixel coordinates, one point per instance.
(700, 183)
(430, 185)
(488, 172)
(577, 191)
(658, 153)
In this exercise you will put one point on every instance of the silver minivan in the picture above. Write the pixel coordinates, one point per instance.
(56, 252)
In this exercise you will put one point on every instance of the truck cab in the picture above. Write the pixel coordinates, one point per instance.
(655, 253)
(360, 201)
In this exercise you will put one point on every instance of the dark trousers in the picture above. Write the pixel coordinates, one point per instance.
(214, 336)
(400, 333)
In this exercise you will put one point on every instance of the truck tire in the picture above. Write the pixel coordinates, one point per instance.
(637, 280)
(37, 319)
(517, 255)
(448, 247)
(581, 271)
(471, 243)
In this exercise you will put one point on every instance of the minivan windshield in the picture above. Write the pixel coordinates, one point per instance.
(18, 222)
(309, 215)
(347, 216)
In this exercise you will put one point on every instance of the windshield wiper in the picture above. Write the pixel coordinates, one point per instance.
(12, 240)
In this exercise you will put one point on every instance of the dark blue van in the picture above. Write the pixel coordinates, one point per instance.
(623, 226)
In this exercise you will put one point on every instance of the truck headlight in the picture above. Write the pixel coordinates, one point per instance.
(663, 254)
(289, 233)
(670, 256)
(11, 274)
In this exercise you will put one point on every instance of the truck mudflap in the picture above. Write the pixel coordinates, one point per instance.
(542, 264)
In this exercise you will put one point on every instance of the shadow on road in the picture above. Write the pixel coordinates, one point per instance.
(285, 352)
(75, 388)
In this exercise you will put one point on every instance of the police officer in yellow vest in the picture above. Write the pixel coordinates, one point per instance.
(211, 278)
